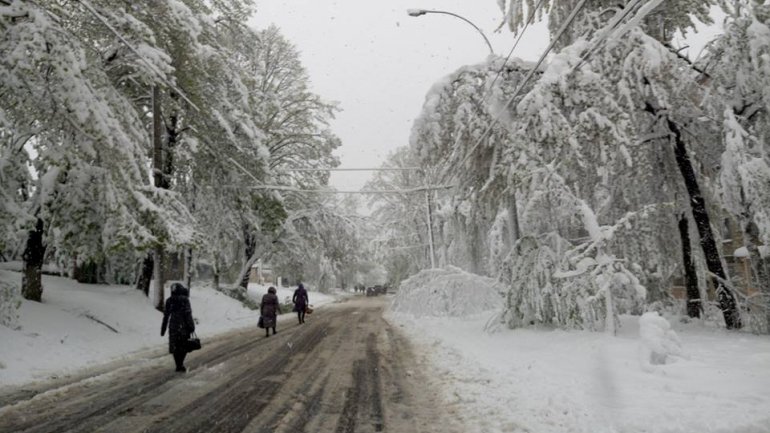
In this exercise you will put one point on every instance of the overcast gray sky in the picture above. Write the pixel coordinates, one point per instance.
(378, 62)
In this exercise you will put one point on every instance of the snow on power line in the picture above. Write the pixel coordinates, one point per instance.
(352, 169)
(361, 191)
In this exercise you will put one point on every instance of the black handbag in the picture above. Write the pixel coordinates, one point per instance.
(192, 343)
(260, 322)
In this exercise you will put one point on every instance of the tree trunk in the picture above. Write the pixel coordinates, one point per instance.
(157, 139)
(216, 271)
(694, 306)
(159, 278)
(89, 272)
(759, 269)
(144, 274)
(172, 134)
(243, 276)
(513, 218)
(34, 253)
(250, 246)
(188, 267)
(700, 215)
(431, 246)
(163, 164)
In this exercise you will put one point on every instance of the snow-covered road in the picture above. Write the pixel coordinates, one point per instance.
(344, 370)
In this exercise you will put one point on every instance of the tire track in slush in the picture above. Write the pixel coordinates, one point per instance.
(367, 384)
(69, 382)
(87, 412)
(99, 415)
(295, 415)
(345, 372)
(310, 393)
(231, 406)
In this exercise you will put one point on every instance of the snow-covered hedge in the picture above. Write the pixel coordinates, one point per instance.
(447, 292)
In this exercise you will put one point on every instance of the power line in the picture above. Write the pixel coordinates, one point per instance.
(529, 75)
(612, 26)
(352, 169)
(510, 53)
(161, 77)
(362, 191)
(152, 67)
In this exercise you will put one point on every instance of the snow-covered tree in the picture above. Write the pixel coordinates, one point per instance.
(738, 64)
(662, 22)
(608, 114)
(458, 142)
(401, 239)
(86, 85)
(86, 138)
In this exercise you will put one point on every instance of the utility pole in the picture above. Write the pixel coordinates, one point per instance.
(427, 189)
(430, 229)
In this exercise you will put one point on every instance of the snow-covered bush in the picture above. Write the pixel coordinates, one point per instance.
(659, 343)
(540, 294)
(10, 301)
(572, 284)
(447, 292)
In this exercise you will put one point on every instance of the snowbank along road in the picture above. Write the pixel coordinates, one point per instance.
(345, 370)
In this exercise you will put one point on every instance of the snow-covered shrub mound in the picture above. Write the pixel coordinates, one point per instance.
(446, 292)
(660, 344)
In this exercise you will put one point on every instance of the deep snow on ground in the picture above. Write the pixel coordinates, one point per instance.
(543, 381)
(524, 380)
(447, 292)
(63, 334)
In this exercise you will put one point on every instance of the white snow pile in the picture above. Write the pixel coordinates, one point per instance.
(447, 292)
(660, 344)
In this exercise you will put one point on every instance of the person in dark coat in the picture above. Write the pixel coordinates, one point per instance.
(178, 319)
(301, 302)
(269, 310)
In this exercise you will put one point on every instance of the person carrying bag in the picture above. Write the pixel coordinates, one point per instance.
(178, 320)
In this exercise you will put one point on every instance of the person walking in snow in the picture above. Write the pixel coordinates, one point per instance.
(178, 320)
(269, 310)
(301, 302)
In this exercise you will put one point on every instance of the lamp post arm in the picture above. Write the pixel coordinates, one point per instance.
(489, 45)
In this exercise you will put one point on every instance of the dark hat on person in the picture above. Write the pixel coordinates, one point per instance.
(300, 286)
(179, 289)
(271, 289)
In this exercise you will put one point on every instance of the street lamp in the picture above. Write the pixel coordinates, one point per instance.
(421, 12)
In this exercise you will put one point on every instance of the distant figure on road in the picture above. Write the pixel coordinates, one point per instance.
(178, 319)
(269, 310)
(301, 302)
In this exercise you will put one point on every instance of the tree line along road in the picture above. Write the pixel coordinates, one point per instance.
(345, 370)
